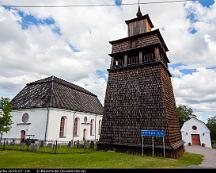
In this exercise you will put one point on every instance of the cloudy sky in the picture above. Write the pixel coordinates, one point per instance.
(73, 44)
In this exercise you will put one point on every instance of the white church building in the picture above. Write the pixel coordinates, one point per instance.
(195, 132)
(54, 109)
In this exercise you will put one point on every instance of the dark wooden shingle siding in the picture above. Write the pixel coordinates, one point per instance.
(139, 96)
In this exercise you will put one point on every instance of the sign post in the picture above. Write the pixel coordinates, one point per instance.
(164, 147)
(153, 133)
(152, 146)
(142, 145)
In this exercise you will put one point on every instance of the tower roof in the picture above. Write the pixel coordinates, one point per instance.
(139, 13)
(151, 34)
(53, 92)
(146, 16)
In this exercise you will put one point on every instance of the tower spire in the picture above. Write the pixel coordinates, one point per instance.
(139, 13)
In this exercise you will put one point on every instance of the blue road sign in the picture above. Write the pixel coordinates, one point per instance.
(159, 133)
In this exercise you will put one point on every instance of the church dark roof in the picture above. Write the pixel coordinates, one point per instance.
(53, 92)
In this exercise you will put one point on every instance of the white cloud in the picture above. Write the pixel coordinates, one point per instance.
(198, 91)
(94, 84)
(28, 55)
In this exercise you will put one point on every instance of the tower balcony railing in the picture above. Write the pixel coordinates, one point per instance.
(134, 60)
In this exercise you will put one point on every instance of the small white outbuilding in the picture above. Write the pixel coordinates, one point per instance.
(195, 132)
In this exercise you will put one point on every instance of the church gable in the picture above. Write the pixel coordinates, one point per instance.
(56, 93)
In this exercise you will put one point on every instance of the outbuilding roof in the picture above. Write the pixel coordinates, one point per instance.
(197, 120)
(53, 92)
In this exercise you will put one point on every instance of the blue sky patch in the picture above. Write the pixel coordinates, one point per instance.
(118, 2)
(192, 30)
(212, 68)
(175, 65)
(73, 47)
(191, 15)
(101, 74)
(206, 3)
(3, 95)
(188, 71)
(181, 68)
(56, 30)
(7, 7)
(28, 20)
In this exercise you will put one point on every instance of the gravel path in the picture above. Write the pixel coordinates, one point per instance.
(209, 160)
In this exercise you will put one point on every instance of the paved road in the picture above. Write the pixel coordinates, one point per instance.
(209, 160)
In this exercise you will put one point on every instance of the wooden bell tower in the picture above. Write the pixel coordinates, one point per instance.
(139, 94)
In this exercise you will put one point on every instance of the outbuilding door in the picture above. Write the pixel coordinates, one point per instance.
(195, 139)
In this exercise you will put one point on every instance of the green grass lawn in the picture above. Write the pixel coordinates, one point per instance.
(98, 159)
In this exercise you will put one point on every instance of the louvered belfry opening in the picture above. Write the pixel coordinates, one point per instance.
(139, 94)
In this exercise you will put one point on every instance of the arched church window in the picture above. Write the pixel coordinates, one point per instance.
(76, 127)
(22, 137)
(85, 119)
(62, 127)
(92, 127)
(25, 117)
(99, 128)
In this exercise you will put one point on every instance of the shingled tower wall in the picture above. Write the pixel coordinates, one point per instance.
(139, 94)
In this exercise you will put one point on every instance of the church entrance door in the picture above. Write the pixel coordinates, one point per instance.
(22, 136)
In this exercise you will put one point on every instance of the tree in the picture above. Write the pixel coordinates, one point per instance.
(211, 124)
(184, 113)
(5, 118)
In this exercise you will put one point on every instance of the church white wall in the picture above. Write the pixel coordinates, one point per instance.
(37, 126)
(202, 130)
(55, 119)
